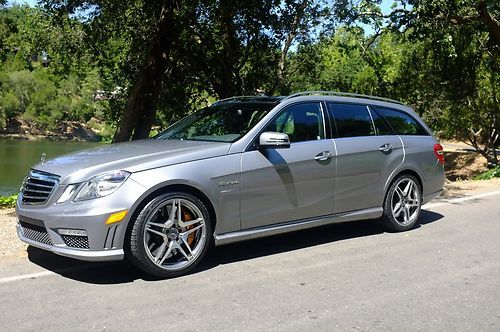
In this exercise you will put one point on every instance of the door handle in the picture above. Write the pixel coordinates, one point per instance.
(386, 148)
(325, 155)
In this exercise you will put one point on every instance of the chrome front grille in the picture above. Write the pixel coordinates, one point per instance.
(35, 233)
(37, 187)
(73, 241)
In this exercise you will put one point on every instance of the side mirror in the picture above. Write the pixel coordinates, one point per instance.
(274, 140)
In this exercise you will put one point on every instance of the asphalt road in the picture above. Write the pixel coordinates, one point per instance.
(442, 276)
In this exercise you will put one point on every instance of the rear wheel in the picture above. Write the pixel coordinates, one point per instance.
(170, 236)
(402, 204)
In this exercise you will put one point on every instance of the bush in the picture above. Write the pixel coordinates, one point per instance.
(8, 201)
(490, 174)
(9, 108)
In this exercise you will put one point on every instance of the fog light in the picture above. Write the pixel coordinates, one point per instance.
(72, 232)
(116, 217)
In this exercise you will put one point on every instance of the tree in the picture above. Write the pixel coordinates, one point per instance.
(463, 54)
(40, 95)
(212, 48)
(349, 61)
(452, 72)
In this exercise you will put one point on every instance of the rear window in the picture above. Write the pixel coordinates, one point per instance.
(402, 123)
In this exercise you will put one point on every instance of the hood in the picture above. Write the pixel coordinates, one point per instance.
(130, 156)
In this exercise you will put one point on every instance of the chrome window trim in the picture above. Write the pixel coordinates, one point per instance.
(323, 116)
(373, 122)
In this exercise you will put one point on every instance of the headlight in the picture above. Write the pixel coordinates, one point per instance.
(102, 185)
(68, 193)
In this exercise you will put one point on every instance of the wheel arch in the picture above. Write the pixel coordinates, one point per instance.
(166, 188)
(408, 171)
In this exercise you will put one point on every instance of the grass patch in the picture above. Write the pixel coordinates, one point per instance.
(489, 174)
(8, 201)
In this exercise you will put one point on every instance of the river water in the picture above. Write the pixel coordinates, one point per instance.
(17, 156)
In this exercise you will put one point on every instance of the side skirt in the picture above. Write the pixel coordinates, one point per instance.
(258, 232)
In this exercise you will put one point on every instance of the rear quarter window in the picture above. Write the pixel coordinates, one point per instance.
(401, 123)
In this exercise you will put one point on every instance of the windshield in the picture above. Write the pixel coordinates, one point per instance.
(226, 122)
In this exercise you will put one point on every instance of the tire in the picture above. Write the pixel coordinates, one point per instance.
(171, 235)
(402, 204)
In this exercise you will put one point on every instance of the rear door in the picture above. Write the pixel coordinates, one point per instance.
(419, 147)
(368, 152)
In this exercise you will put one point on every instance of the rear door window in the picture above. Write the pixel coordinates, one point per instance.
(352, 120)
(402, 123)
(381, 125)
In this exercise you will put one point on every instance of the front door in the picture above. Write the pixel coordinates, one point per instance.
(280, 185)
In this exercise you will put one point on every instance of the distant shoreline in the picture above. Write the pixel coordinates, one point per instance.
(31, 137)
(66, 131)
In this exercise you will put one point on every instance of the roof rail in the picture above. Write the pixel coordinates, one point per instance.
(341, 94)
(245, 98)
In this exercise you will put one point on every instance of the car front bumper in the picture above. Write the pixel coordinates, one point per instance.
(64, 250)
(78, 229)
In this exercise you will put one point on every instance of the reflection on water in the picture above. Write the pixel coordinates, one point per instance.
(17, 156)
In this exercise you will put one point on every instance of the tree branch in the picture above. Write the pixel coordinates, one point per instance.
(299, 14)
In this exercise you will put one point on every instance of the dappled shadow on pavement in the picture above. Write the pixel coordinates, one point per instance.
(124, 272)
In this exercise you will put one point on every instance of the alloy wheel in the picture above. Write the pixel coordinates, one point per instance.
(405, 201)
(174, 234)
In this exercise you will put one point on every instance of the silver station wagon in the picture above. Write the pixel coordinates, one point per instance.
(243, 168)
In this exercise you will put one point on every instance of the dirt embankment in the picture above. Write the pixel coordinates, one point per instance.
(464, 165)
(65, 131)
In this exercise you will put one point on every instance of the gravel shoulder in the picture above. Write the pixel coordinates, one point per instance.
(11, 249)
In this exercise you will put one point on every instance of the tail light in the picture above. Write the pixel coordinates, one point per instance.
(438, 150)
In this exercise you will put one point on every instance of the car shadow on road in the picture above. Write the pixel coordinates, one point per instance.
(124, 272)
(90, 272)
(300, 240)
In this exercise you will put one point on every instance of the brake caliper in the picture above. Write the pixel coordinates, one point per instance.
(186, 216)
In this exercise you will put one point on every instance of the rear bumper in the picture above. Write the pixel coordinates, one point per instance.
(431, 196)
(85, 255)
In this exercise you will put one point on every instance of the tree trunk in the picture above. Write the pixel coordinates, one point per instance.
(280, 68)
(229, 46)
(136, 107)
(138, 116)
(492, 24)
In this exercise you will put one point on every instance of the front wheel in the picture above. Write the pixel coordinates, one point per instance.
(170, 236)
(402, 204)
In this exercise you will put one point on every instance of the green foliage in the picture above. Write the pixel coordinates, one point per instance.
(489, 174)
(349, 61)
(456, 71)
(442, 57)
(46, 94)
(8, 201)
(451, 72)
